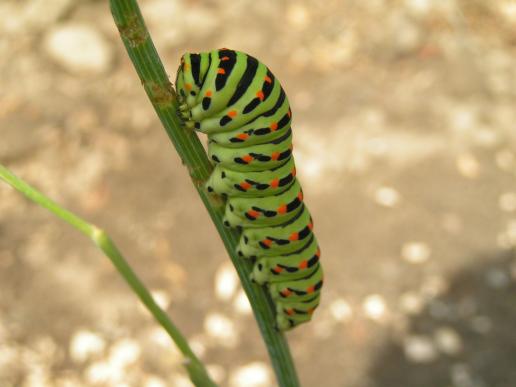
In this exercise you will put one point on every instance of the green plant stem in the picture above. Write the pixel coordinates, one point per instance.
(193, 365)
(147, 63)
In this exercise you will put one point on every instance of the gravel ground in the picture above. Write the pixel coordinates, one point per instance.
(405, 140)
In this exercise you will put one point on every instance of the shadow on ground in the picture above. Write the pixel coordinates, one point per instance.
(465, 338)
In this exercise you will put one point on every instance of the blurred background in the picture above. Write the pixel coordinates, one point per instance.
(405, 140)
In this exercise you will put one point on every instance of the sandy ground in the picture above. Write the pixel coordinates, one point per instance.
(405, 140)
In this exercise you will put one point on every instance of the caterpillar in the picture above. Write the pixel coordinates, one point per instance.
(241, 106)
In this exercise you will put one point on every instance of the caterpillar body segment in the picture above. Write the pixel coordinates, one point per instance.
(264, 128)
(298, 290)
(236, 100)
(264, 211)
(290, 266)
(260, 157)
(282, 239)
(247, 184)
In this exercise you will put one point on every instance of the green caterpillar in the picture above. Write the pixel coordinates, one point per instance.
(239, 104)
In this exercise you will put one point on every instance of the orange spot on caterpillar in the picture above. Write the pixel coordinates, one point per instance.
(260, 95)
(247, 158)
(293, 172)
(311, 289)
(318, 253)
(290, 311)
(274, 126)
(221, 71)
(310, 311)
(188, 86)
(293, 237)
(224, 58)
(310, 226)
(278, 269)
(282, 209)
(243, 136)
(275, 155)
(303, 264)
(208, 93)
(232, 113)
(300, 196)
(185, 67)
(286, 292)
(267, 79)
(267, 242)
(245, 185)
(253, 213)
(289, 113)
(275, 183)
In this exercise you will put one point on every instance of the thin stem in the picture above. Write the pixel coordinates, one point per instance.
(193, 365)
(147, 63)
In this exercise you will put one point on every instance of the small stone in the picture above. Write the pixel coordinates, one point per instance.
(463, 119)
(79, 48)
(254, 374)
(86, 344)
(411, 303)
(162, 298)
(486, 137)
(448, 341)
(419, 7)
(419, 349)
(41, 13)
(198, 346)
(461, 376)
(507, 202)
(434, 286)
(497, 278)
(505, 160)
(508, 10)
(101, 372)
(452, 223)
(241, 303)
(415, 252)
(298, 16)
(221, 329)
(124, 352)
(405, 34)
(216, 372)
(468, 166)
(226, 282)
(439, 310)
(387, 197)
(481, 324)
(179, 381)
(340, 310)
(154, 381)
(374, 307)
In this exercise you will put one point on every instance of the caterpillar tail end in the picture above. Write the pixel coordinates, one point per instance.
(283, 324)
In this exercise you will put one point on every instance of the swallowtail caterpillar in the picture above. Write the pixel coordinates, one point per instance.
(241, 106)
